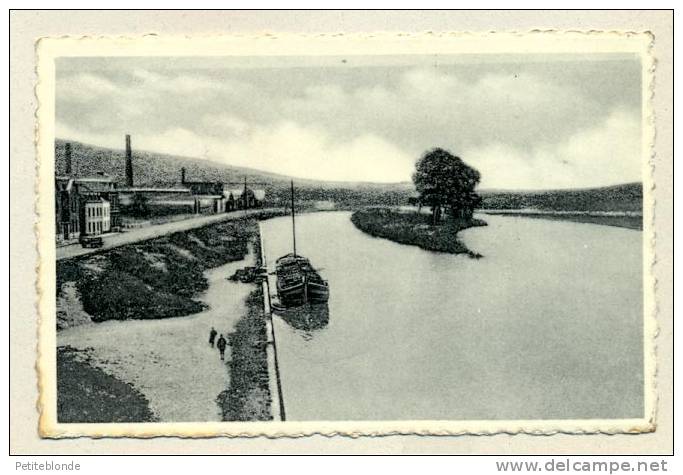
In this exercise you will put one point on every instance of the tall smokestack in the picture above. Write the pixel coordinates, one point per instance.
(182, 175)
(129, 163)
(67, 157)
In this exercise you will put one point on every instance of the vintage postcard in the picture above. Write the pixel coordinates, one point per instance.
(286, 235)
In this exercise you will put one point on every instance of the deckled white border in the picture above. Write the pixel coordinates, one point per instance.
(535, 41)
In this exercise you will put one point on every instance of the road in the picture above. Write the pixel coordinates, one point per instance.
(154, 231)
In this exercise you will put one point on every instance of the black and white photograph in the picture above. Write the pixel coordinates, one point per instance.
(441, 242)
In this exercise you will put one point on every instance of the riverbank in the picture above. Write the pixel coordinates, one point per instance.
(169, 360)
(620, 220)
(158, 278)
(150, 362)
(405, 227)
(86, 393)
(248, 396)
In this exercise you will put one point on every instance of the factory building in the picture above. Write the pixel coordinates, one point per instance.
(74, 194)
(201, 187)
(92, 205)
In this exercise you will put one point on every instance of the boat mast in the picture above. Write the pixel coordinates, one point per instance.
(293, 221)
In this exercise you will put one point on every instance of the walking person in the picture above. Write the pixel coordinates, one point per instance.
(212, 336)
(221, 344)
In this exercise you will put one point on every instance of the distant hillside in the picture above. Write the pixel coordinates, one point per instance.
(627, 197)
(156, 169)
(151, 169)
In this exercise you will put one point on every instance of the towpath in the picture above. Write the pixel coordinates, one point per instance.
(154, 231)
(169, 360)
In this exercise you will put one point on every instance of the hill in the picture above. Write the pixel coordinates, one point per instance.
(156, 169)
(626, 197)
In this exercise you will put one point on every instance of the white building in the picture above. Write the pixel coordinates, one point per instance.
(96, 217)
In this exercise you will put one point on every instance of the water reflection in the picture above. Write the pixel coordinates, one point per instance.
(528, 332)
(307, 318)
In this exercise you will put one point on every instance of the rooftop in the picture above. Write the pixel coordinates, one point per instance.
(87, 179)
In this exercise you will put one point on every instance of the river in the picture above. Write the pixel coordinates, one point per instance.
(548, 325)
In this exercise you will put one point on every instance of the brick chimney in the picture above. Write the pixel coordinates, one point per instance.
(182, 175)
(67, 158)
(129, 163)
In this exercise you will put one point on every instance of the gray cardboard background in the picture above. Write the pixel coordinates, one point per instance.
(26, 26)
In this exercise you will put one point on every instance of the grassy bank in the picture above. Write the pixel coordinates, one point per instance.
(159, 278)
(248, 398)
(623, 221)
(85, 393)
(415, 229)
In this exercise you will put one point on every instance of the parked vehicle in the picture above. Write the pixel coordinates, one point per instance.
(91, 241)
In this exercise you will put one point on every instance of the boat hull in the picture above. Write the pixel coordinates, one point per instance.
(298, 282)
(289, 296)
(317, 293)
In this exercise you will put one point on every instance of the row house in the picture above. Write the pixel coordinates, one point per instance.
(87, 205)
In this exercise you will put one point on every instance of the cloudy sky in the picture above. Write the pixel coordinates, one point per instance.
(525, 122)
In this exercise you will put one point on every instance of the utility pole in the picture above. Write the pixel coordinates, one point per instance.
(293, 220)
(246, 198)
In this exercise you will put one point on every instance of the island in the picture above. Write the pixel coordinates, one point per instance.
(409, 227)
(446, 185)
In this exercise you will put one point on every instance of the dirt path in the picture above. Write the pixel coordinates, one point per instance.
(169, 360)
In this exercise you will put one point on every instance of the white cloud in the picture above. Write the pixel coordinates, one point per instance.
(608, 153)
(520, 130)
(227, 123)
(310, 152)
(286, 148)
(111, 139)
(180, 84)
(85, 87)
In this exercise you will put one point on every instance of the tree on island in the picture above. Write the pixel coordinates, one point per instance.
(444, 181)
